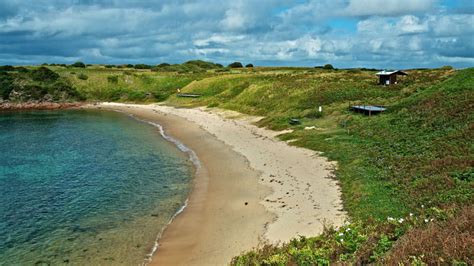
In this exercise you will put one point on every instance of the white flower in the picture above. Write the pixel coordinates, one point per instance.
(348, 229)
(411, 214)
(401, 220)
(426, 220)
(431, 219)
(390, 218)
(422, 206)
(341, 234)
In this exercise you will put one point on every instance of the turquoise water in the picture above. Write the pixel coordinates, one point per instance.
(85, 187)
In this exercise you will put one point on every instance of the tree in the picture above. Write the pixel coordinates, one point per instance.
(142, 66)
(249, 65)
(79, 64)
(236, 65)
(328, 66)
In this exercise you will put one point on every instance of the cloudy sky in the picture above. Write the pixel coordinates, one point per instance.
(345, 33)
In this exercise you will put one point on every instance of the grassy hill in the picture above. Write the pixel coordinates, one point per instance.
(410, 164)
(406, 175)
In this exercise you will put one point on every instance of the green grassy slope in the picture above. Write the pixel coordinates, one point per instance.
(417, 154)
(413, 162)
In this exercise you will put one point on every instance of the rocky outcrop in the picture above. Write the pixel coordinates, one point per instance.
(38, 105)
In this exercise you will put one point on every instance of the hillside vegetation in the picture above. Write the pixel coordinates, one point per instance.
(22, 85)
(406, 175)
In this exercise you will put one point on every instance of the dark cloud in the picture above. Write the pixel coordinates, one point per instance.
(402, 33)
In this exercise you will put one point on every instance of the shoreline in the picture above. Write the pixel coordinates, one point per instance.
(295, 194)
(216, 215)
(31, 106)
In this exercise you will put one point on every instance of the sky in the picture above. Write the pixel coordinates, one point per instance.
(344, 33)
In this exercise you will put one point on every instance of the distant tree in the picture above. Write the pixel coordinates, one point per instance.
(79, 64)
(44, 74)
(129, 66)
(236, 65)
(328, 66)
(142, 66)
(249, 65)
(446, 67)
(163, 65)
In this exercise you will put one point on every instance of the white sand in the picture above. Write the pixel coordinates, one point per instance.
(304, 196)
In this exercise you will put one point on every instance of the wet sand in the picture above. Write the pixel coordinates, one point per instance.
(250, 187)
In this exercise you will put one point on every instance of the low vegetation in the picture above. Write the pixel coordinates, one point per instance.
(41, 84)
(406, 175)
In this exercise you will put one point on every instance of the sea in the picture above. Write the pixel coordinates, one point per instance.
(86, 187)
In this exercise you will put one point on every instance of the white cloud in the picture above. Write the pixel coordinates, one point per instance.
(403, 32)
(387, 7)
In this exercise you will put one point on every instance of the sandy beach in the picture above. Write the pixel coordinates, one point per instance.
(250, 187)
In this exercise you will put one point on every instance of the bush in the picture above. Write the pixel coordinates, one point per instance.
(328, 66)
(142, 66)
(112, 79)
(6, 85)
(236, 65)
(44, 74)
(79, 64)
(82, 76)
(249, 65)
(7, 68)
(21, 69)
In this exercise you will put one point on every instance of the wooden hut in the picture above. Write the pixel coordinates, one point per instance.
(389, 77)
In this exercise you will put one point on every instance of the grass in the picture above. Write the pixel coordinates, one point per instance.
(417, 154)
(413, 162)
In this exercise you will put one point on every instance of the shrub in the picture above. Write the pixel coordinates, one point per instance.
(7, 68)
(112, 79)
(44, 74)
(236, 65)
(21, 69)
(142, 66)
(82, 76)
(249, 65)
(6, 85)
(79, 64)
(328, 66)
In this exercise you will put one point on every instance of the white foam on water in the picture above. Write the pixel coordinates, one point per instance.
(194, 159)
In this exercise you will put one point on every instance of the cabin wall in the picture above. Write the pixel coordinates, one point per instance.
(383, 79)
(393, 79)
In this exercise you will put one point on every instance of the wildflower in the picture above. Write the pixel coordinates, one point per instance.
(411, 214)
(431, 219)
(401, 220)
(390, 218)
(426, 220)
(348, 229)
(341, 234)
(422, 206)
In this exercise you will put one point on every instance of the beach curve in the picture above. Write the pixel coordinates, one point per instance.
(280, 191)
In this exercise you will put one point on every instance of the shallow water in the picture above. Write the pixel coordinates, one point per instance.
(85, 187)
